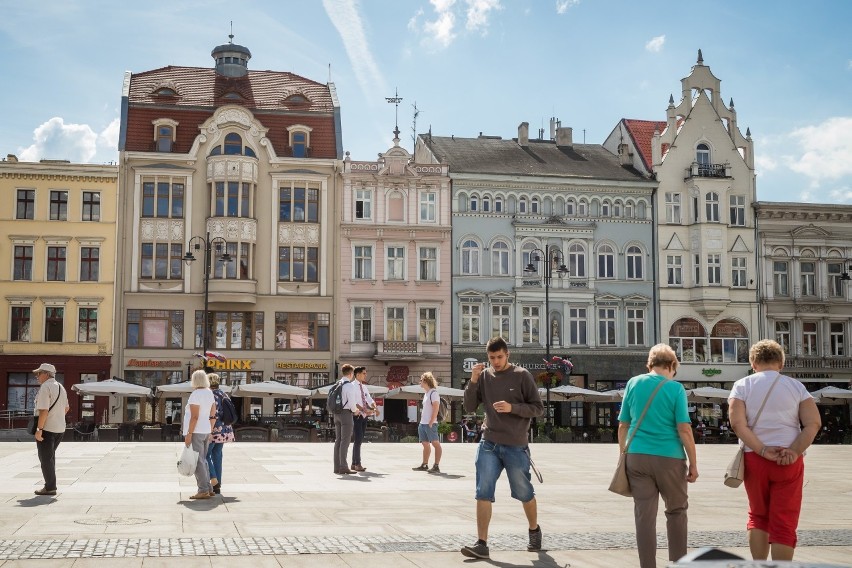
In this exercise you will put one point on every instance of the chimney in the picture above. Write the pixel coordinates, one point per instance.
(625, 157)
(564, 137)
(524, 134)
(12, 158)
(553, 128)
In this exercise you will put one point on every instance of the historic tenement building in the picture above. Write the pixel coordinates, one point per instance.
(228, 182)
(394, 308)
(57, 266)
(552, 241)
(705, 237)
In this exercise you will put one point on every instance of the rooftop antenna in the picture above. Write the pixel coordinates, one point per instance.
(395, 100)
(231, 35)
(329, 72)
(414, 123)
(584, 136)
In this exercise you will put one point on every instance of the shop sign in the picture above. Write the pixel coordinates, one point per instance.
(230, 364)
(301, 365)
(468, 364)
(711, 372)
(152, 363)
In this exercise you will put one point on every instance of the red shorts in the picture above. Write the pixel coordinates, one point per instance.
(774, 497)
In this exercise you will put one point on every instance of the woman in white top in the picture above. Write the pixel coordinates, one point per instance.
(199, 416)
(774, 447)
(427, 430)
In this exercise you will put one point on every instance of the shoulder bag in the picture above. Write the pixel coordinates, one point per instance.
(620, 483)
(735, 472)
(33, 423)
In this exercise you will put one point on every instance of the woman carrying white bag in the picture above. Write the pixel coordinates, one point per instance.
(199, 415)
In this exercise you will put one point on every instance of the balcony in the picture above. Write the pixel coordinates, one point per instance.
(401, 350)
(697, 170)
(818, 363)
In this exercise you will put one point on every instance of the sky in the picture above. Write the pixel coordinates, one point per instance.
(470, 66)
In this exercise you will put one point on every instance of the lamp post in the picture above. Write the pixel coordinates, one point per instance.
(198, 243)
(550, 256)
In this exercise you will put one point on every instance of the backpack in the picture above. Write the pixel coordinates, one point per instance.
(444, 409)
(334, 404)
(229, 411)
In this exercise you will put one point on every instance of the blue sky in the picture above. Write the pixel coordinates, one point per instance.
(470, 65)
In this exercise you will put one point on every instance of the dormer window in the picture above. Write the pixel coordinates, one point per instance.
(165, 92)
(296, 99)
(300, 139)
(165, 131)
(232, 96)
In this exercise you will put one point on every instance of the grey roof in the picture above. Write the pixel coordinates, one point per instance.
(491, 155)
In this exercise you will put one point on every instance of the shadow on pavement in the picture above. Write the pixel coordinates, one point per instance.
(544, 560)
(36, 501)
(201, 504)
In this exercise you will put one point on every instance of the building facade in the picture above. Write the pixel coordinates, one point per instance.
(705, 233)
(552, 250)
(394, 308)
(58, 229)
(228, 183)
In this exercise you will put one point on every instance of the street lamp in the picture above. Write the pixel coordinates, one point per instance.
(196, 244)
(550, 256)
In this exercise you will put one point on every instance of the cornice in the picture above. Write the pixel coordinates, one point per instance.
(85, 178)
(562, 185)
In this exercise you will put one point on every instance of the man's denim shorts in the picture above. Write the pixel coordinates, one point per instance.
(492, 459)
(426, 433)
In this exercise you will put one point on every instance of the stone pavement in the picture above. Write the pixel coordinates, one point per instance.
(123, 504)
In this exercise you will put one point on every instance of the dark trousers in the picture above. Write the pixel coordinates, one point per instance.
(343, 426)
(47, 457)
(359, 428)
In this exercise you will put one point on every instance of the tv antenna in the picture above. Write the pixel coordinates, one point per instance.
(395, 100)
(414, 124)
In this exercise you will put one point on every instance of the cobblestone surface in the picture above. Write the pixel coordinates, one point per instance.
(175, 547)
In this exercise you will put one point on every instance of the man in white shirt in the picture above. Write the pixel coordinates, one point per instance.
(343, 421)
(51, 405)
(365, 406)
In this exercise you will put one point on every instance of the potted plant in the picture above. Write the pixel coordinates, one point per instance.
(444, 428)
(605, 434)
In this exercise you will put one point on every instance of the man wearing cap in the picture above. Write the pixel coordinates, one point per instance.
(51, 405)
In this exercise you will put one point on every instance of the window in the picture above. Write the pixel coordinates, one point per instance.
(162, 261)
(605, 209)
(606, 326)
(711, 204)
(782, 335)
(688, 338)
(469, 258)
(89, 264)
(396, 263)
(697, 270)
(582, 208)
(808, 278)
(363, 204)
(395, 324)
(298, 264)
(428, 325)
(299, 144)
(58, 205)
(54, 317)
(302, 330)
(523, 205)
(577, 326)
(616, 209)
(87, 329)
(429, 263)
(779, 278)
(486, 203)
(23, 262)
(56, 264)
(20, 323)
(672, 208)
(230, 330)
(500, 259)
(162, 197)
(837, 338)
(534, 206)
(363, 267)
(530, 315)
(470, 323)
(835, 283)
(729, 342)
(156, 328)
(674, 269)
(809, 338)
(606, 262)
(529, 257)
(702, 155)
(91, 206)
(233, 146)
(714, 269)
(362, 318)
(474, 203)
(233, 199)
(298, 202)
(628, 210)
(738, 272)
(26, 204)
(635, 326)
(570, 207)
(22, 391)
(695, 211)
(738, 210)
(577, 261)
(634, 263)
(500, 321)
(498, 204)
(428, 204)
(165, 138)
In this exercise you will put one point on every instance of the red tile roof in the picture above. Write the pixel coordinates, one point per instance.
(642, 132)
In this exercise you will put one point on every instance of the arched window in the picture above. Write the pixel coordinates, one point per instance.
(523, 205)
(474, 203)
(634, 263)
(616, 209)
(702, 155)
(577, 261)
(300, 144)
(628, 209)
(729, 342)
(605, 209)
(534, 206)
(498, 204)
(486, 203)
(528, 257)
(688, 338)
(583, 208)
(470, 257)
(165, 137)
(233, 144)
(570, 207)
(499, 259)
(711, 201)
(606, 262)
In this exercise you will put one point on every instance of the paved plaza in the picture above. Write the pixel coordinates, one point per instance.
(123, 504)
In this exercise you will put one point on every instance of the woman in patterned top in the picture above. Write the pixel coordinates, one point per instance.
(222, 433)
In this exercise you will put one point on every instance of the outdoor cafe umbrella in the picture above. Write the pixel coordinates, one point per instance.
(269, 389)
(112, 387)
(708, 394)
(322, 392)
(832, 395)
(184, 387)
(416, 392)
(576, 394)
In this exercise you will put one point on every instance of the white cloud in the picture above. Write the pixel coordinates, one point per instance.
(55, 140)
(824, 150)
(656, 44)
(765, 163)
(841, 195)
(346, 19)
(562, 6)
(440, 30)
(108, 138)
(478, 12)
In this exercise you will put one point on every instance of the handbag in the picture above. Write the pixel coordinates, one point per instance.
(32, 425)
(620, 483)
(187, 461)
(735, 472)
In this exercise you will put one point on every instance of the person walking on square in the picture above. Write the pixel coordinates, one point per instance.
(343, 421)
(199, 416)
(510, 399)
(51, 405)
(427, 430)
(657, 453)
(365, 406)
(222, 434)
(774, 444)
